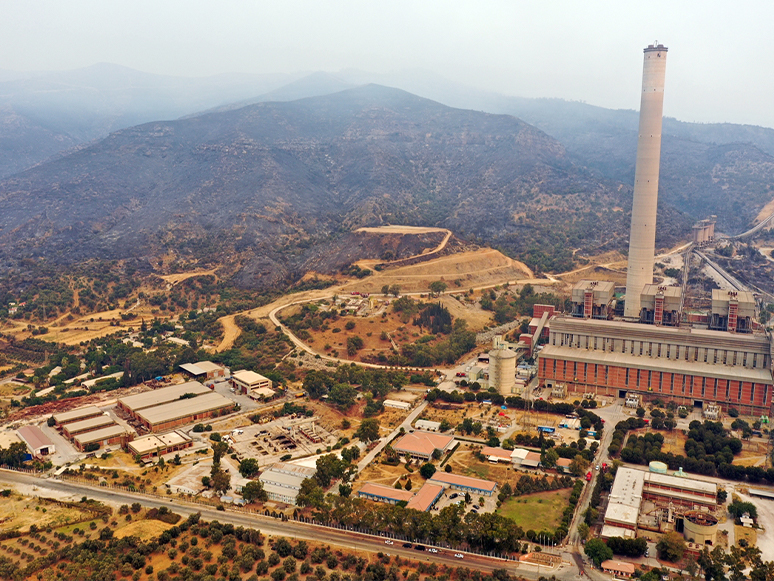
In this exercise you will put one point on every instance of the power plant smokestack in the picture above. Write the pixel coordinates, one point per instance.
(642, 237)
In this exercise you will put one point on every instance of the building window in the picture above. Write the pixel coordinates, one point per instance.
(554, 367)
(703, 385)
(661, 381)
(685, 351)
(728, 389)
(669, 348)
(705, 355)
(752, 393)
(715, 356)
(658, 351)
(626, 381)
(638, 378)
(716, 388)
(740, 391)
(695, 353)
(650, 379)
(672, 384)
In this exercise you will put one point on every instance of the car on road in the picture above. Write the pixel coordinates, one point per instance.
(432, 550)
(459, 555)
(419, 547)
(407, 545)
(388, 542)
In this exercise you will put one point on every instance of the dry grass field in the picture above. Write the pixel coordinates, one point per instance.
(18, 512)
(145, 530)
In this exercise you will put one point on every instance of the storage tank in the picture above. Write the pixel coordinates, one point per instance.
(700, 527)
(502, 370)
(658, 467)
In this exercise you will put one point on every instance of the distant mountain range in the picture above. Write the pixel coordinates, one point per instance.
(275, 178)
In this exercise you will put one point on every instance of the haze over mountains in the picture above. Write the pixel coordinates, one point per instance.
(277, 177)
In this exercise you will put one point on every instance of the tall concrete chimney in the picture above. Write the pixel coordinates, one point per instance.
(642, 237)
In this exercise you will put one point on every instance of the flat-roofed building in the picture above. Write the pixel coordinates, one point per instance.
(154, 445)
(689, 366)
(134, 403)
(245, 381)
(185, 411)
(282, 481)
(38, 443)
(421, 445)
(83, 413)
(203, 370)
(104, 437)
(464, 483)
(101, 421)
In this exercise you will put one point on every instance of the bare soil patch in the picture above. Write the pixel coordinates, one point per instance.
(142, 529)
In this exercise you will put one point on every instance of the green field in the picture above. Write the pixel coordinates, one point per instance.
(539, 511)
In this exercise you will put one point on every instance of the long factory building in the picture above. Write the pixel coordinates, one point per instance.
(692, 366)
(134, 403)
(185, 411)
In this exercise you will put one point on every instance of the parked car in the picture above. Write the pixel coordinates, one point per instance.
(407, 545)
(388, 542)
(432, 550)
(419, 547)
(459, 555)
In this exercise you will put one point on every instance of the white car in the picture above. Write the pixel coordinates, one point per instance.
(432, 550)
(388, 542)
(459, 555)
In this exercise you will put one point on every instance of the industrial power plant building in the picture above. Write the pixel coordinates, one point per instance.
(660, 503)
(706, 360)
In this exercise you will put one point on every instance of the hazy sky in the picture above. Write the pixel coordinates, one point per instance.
(720, 67)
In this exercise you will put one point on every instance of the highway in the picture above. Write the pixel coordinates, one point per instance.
(299, 530)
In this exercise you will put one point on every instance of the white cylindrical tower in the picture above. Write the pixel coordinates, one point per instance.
(642, 237)
(502, 370)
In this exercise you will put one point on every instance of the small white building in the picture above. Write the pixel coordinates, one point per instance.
(427, 425)
(394, 403)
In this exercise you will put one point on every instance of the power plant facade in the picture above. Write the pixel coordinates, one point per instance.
(642, 236)
(717, 361)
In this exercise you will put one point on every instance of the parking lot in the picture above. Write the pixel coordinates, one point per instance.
(451, 497)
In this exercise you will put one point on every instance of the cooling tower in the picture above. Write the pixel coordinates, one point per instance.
(642, 236)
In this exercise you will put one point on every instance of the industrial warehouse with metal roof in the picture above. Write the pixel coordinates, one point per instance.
(133, 403)
(184, 411)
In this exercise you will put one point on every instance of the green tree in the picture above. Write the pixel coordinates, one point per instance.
(671, 547)
(437, 287)
(368, 430)
(249, 467)
(354, 344)
(427, 470)
(640, 412)
(253, 491)
(583, 531)
(550, 458)
(598, 551)
(221, 481)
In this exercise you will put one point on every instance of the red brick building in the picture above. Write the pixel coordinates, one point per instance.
(689, 366)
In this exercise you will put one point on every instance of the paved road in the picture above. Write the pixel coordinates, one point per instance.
(406, 425)
(299, 530)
